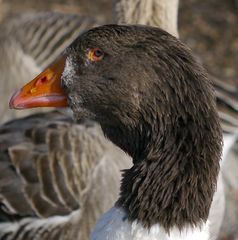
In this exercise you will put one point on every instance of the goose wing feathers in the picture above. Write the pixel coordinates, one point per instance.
(51, 172)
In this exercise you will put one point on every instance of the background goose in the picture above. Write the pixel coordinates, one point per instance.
(51, 172)
(160, 109)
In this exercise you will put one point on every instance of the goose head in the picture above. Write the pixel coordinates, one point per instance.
(154, 101)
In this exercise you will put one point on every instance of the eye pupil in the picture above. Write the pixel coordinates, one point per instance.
(98, 53)
(95, 54)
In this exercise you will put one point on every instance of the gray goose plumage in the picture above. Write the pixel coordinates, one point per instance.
(50, 182)
(160, 109)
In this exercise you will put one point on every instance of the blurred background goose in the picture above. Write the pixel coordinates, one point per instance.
(51, 177)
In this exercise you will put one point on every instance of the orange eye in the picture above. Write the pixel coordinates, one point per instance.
(95, 54)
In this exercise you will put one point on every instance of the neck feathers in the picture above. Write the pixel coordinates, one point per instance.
(158, 13)
(175, 184)
(176, 155)
(175, 140)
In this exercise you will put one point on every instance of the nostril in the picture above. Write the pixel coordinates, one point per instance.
(41, 81)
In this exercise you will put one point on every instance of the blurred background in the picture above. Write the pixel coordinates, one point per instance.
(209, 27)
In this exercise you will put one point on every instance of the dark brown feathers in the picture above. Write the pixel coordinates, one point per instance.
(154, 101)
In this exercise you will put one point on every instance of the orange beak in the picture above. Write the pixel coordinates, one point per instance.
(43, 91)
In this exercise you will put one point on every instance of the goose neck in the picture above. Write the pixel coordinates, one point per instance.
(173, 179)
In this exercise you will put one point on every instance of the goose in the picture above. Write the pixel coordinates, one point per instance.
(154, 101)
(47, 21)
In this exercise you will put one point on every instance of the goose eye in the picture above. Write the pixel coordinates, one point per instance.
(95, 54)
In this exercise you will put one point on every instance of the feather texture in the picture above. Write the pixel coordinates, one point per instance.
(51, 172)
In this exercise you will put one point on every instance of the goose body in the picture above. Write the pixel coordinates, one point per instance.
(51, 179)
(159, 107)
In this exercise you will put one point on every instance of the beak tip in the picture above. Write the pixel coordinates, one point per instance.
(12, 102)
(15, 100)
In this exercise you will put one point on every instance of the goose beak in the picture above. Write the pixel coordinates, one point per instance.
(43, 91)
